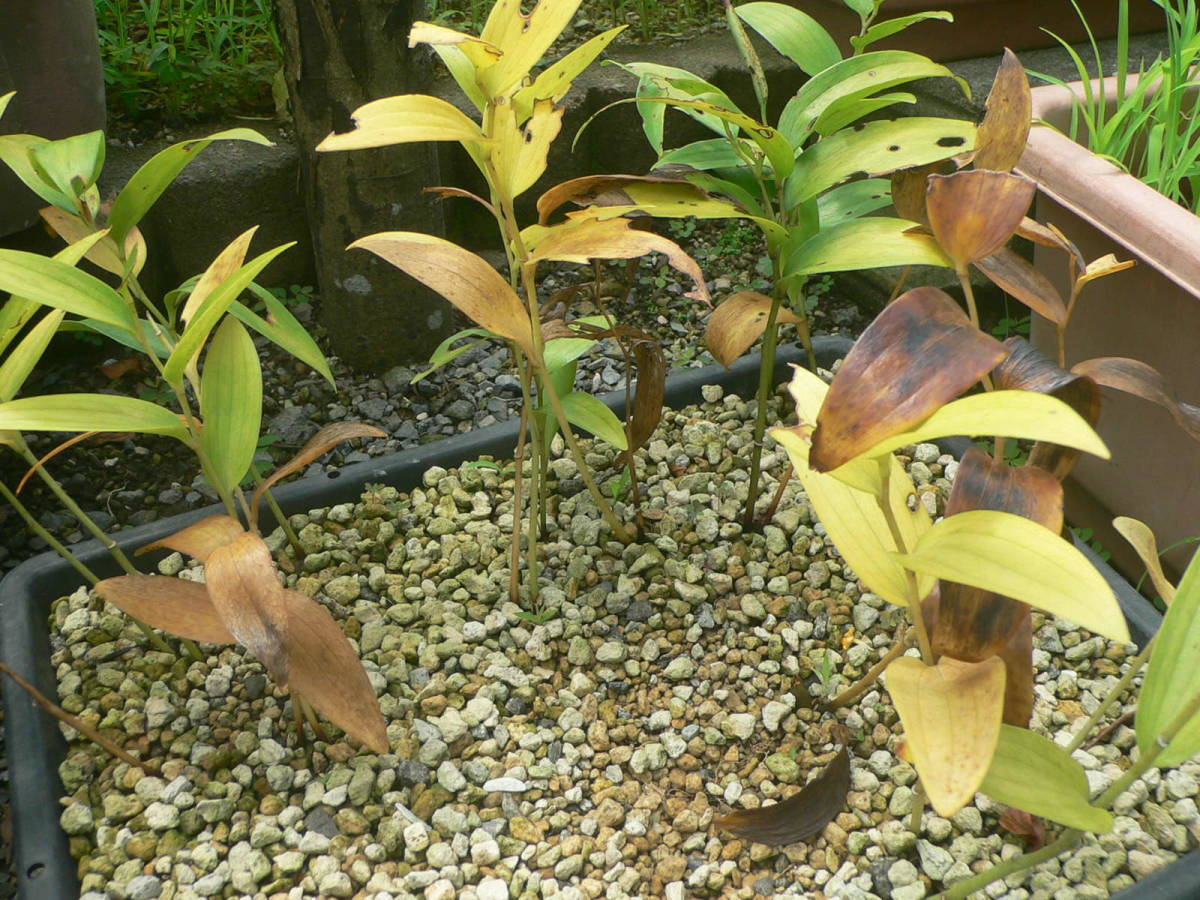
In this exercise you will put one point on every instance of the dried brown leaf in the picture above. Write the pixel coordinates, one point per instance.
(243, 585)
(444, 191)
(327, 672)
(1141, 538)
(649, 393)
(1028, 827)
(598, 190)
(738, 322)
(1017, 656)
(908, 189)
(972, 214)
(41, 463)
(1135, 377)
(1015, 275)
(1002, 134)
(318, 445)
(201, 539)
(1104, 266)
(918, 354)
(799, 817)
(1028, 369)
(974, 624)
(174, 605)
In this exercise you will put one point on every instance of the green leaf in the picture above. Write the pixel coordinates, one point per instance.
(16, 153)
(850, 109)
(796, 35)
(858, 75)
(446, 352)
(864, 244)
(20, 362)
(876, 148)
(210, 312)
(1020, 414)
(122, 336)
(60, 285)
(853, 200)
(89, 412)
(558, 352)
(1018, 558)
(72, 164)
(230, 404)
(656, 82)
(715, 153)
(157, 173)
(562, 379)
(1173, 678)
(5, 99)
(589, 413)
(881, 30)
(1033, 773)
(284, 330)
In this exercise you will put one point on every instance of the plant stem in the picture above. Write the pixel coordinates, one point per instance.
(514, 576)
(770, 511)
(283, 522)
(918, 807)
(1135, 666)
(57, 546)
(860, 687)
(962, 889)
(766, 376)
(532, 520)
(914, 610)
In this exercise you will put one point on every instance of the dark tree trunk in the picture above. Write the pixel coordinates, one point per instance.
(340, 54)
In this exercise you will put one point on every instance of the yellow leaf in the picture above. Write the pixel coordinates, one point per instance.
(466, 280)
(556, 80)
(481, 53)
(855, 523)
(403, 119)
(1016, 557)
(103, 252)
(1019, 414)
(519, 154)
(523, 39)
(738, 322)
(951, 716)
(227, 262)
(1141, 538)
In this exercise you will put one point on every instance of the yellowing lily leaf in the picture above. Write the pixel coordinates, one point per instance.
(520, 154)
(523, 39)
(228, 261)
(1018, 558)
(89, 412)
(951, 716)
(478, 51)
(740, 321)
(554, 82)
(1033, 773)
(1141, 538)
(465, 279)
(1019, 414)
(403, 119)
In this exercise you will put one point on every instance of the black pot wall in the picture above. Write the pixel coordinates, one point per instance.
(44, 866)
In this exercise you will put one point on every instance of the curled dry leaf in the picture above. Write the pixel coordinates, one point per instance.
(41, 463)
(1102, 267)
(918, 354)
(1028, 827)
(174, 605)
(325, 670)
(201, 539)
(582, 239)
(649, 393)
(467, 280)
(1141, 538)
(802, 815)
(443, 192)
(951, 716)
(318, 445)
(602, 190)
(244, 587)
(1018, 277)
(908, 190)
(1028, 369)
(1135, 377)
(972, 214)
(1002, 134)
(740, 321)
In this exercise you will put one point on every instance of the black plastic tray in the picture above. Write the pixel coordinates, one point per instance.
(44, 866)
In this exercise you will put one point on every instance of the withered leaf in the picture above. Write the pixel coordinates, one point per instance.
(1017, 656)
(444, 191)
(1027, 826)
(1135, 377)
(974, 624)
(649, 393)
(41, 463)
(327, 672)
(1002, 134)
(1142, 539)
(972, 214)
(201, 539)
(244, 587)
(1102, 267)
(602, 190)
(738, 322)
(318, 445)
(800, 816)
(1028, 369)
(1015, 275)
(920, 352)
(908, 189)
(173, 605)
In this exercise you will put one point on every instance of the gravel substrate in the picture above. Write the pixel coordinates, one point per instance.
(581, 758)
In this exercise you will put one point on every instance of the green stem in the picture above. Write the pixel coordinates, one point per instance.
(536, 485)
(914, 611)
(1135, 666)
(282, 519)
(918, 808)
(766, 378)
(963, 889)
